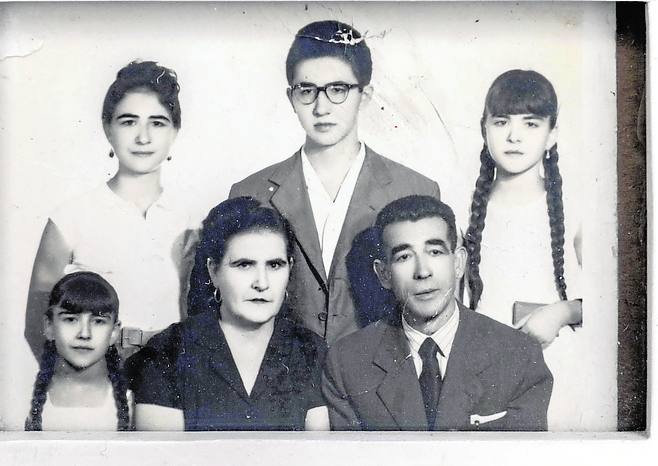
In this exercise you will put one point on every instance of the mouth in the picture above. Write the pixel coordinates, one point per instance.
(426, 295)
(513, 153)
(259, 301)
(82, 348)
(142, 153)
(323, 127)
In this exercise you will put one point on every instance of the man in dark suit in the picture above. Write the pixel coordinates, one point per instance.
(331, 189)
(434, 365)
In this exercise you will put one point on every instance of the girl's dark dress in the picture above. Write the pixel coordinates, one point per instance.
(189, 366)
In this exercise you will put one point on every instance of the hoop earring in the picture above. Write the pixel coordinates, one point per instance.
(214, 296)
(111, 154)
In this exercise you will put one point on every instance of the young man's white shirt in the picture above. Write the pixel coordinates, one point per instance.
(329, 214)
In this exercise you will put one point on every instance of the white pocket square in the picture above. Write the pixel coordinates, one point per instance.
(477, 419)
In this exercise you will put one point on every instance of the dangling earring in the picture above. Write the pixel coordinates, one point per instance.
(547, 154)
(111, 154)
(214, 295)
(169, 157)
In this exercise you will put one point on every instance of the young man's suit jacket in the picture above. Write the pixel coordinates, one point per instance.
(370, 381)
(321, 300)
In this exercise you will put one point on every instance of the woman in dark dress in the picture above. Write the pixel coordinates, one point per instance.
(239, 364)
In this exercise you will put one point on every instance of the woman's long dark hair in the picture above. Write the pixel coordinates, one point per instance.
(80, 292)
(231, 217)
(512, 93)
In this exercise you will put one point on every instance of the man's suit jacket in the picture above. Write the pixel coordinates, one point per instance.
(370, 381)
(322, 300)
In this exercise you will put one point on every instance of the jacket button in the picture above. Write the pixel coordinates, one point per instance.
(322, 316)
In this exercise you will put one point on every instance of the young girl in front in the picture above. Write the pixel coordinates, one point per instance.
(523, 244)
(80, 385)
(128, 229)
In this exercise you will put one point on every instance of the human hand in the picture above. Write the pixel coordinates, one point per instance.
(545, 322)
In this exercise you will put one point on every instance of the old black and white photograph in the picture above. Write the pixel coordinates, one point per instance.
(317, 216)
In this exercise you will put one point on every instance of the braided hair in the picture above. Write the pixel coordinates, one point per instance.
(517, 92)
(80, 292)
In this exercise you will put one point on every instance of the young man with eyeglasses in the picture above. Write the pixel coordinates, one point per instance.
(331, 189)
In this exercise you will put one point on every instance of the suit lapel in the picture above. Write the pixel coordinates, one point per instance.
(368, 197)
(291, 200)
(461, 388)
(399, 390)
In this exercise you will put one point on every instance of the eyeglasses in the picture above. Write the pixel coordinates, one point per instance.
(337, 93)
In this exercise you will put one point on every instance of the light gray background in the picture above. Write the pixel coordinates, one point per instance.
(433, 64)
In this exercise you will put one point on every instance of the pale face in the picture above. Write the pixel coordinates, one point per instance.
(420, 269)
(141, 132)
(252, 277)
(326, 123)
(81, 339)
(517, 143)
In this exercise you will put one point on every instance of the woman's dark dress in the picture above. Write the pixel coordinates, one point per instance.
(189, 366)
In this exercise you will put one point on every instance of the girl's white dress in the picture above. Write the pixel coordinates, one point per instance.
(74, 419)
(517, 265)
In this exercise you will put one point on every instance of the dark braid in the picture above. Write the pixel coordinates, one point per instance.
(44, 376)
(119, 387)
(553, 185)
(476, 224)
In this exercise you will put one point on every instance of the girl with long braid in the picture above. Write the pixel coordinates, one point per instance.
(80, 385)
(524, 253)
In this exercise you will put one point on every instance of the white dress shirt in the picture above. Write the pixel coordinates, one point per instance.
(329, 214)
(443, 337)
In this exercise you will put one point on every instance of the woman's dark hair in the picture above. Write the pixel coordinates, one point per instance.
(231, 217)
(144, 76)
(77, 293)
(512, 93)
(331, 39)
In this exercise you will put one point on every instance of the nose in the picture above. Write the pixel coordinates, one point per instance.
(261, 280)
(143, 134)
(322, 105)
(84, 331)
(421, 269)
(513, 134)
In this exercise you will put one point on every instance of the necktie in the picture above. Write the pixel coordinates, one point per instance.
(430, 379)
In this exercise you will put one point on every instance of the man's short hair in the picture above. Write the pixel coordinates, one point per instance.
(331, 39)
(414, 208)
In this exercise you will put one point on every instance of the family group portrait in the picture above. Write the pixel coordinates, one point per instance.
(321, 217)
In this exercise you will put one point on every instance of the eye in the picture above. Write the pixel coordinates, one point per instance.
(127, 122)
(337, 89)
(277, 264)
(402, 257)
(532, 124)
(499, 122)
(99, 321)
(436, 252)
(158, 124)
(69, 319)
(242, 264)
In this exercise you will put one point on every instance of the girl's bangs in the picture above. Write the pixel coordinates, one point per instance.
(521, 92)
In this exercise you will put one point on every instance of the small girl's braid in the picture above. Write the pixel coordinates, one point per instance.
(553, 186)
(44, 376)
(476, 224)
(119, 387)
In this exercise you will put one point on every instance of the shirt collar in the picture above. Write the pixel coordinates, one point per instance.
(442, 337)
(311, 175)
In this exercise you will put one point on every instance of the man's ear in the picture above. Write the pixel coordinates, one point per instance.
(289, 95)
(460, 262)
(366, 95)
(116, 331)
(383, 273)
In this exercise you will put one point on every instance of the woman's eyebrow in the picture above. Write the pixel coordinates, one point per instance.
(126, 115)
